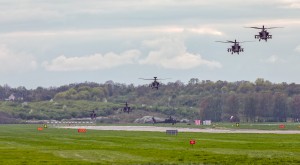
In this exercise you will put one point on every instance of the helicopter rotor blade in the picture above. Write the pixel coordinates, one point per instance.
(146, 79)
(231, 41)
(253, 27)
(263, 28)
(245, 41)
(163, 79)
(224, 42)
(155, 79)
(273, 27)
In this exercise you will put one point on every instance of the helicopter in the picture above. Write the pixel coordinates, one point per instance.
(126, 108)
(155, 83)
(236, 47)
(263, 34)
(93, 115)
(167, 120)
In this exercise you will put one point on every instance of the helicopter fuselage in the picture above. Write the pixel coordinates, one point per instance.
(93, 115)
(126, 108)
(263, 35)
(236, 48)
(154, 84)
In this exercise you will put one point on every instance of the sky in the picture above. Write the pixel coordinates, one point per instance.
(51, 43)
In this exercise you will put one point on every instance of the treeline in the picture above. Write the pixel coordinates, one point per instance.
(219, 101)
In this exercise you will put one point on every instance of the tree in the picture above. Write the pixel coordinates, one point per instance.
(245, 87)
(259, 85)
(295, 106)
(230, 107)
(193, 81)
(109, 86)
(98, 93)
(250, 107)
(211, 108)
(279, 107)
(264, 106)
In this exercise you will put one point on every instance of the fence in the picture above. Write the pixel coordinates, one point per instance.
(72, 123)
(172, 132)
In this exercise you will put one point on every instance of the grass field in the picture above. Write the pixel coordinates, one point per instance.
(23, 144)
(258, 126)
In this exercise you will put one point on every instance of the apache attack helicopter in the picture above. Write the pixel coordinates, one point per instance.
(93, 115)
(167, 120)
(263, 34)
(155, 83)
(126, 108)
(236, 47)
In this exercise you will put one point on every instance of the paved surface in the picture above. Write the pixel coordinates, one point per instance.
(163, 129)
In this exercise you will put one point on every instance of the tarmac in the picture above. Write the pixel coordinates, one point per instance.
(180, 129)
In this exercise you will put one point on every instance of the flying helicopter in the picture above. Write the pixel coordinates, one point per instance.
(126, 108)
(93, 115)
(236, 47)
(263, 34)
(155, 83)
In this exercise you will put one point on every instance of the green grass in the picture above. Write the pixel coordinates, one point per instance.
(23, 144)
(259, 126)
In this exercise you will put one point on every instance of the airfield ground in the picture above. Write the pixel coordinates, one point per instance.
(163, 129)
(25, 144)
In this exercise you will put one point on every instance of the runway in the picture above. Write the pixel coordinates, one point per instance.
(180, 129)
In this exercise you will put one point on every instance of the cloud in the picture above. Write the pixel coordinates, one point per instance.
(27, 12)
(293, 4)
(210, 31)
(11, 61)
(118, 31)
(92, 62)
(66, 11)
(273, 60)
(297, 49)
(172, 54)
(276, 22)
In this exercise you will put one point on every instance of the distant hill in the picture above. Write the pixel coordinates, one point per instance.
(261, 100)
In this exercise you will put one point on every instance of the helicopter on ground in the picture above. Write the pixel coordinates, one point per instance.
(126, 108)
(155, 83)
(236, 47)
(93, 115)
(263, 34)
(167, 120)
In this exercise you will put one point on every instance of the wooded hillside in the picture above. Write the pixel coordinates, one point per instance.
(261, 100)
